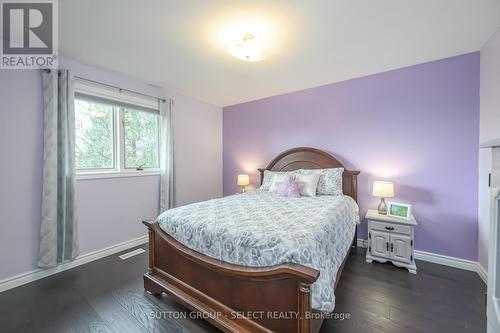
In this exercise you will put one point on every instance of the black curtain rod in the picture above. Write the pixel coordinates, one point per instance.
(118, 88)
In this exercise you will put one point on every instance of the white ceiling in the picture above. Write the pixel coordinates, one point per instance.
(177, 44)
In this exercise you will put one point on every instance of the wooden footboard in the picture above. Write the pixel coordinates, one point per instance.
(233, 298)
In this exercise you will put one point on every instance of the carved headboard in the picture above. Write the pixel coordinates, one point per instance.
(312, 158)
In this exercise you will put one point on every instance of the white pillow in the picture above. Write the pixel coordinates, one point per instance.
(269, 176)
(310, 182)
(278, 178)
(330, 180)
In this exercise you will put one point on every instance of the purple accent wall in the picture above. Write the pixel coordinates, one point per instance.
(417, 126)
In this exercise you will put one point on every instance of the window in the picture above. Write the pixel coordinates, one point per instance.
(114, 134)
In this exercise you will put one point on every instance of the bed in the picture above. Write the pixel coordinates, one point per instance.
(267, 281)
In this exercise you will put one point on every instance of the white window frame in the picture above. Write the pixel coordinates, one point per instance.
(119, 170)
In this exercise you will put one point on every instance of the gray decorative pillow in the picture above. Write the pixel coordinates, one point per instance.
(269, 175)
(330, 180)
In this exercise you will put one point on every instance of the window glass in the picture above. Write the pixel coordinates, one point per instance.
(141, 139)
(94, 135)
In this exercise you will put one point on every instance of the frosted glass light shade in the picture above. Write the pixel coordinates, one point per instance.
(248, 48)
(383, 189)
(243, 180)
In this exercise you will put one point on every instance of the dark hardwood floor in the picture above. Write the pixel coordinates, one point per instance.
(107, 296)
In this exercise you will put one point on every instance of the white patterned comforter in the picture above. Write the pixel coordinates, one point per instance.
(263, 229)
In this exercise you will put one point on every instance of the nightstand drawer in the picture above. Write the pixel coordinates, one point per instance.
(391, 227)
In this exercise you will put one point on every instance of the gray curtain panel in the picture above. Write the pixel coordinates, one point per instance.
(167, 184)
(58, 231)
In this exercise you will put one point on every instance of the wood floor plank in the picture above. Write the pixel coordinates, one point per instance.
(116, 317)
(77, 318)
(144, 311)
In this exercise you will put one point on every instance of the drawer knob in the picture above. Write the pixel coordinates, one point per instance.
(389, 228)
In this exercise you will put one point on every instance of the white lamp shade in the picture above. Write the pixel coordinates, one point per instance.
(243, 180)
(383, 189)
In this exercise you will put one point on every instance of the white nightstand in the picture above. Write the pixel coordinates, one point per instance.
(391, 239)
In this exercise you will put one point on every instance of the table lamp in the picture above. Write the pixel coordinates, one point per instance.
(382, 190)
(243, 180)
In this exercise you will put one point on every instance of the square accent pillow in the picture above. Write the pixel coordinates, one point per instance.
(278, 178)
(289, 187)
(310, 184)
(330, 180)
(269, 176)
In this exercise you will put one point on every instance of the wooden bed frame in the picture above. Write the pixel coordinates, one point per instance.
(238, 298)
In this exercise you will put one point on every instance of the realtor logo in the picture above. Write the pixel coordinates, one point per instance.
(29, 34)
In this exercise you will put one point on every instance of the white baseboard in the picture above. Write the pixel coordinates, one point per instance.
(362, 242)
(37, 274)
(440, 259)
(483, 274)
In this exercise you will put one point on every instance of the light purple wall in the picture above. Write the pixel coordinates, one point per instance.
(417, 126)
(21, 139)
(109, 211)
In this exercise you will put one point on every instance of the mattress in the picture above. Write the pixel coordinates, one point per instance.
(261, 228)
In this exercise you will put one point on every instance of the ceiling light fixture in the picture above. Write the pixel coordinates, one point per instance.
(248, 48)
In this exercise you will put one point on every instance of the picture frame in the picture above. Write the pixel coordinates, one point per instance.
(399, 210)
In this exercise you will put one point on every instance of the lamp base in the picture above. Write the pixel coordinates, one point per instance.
(243, 190)
(382, 207)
